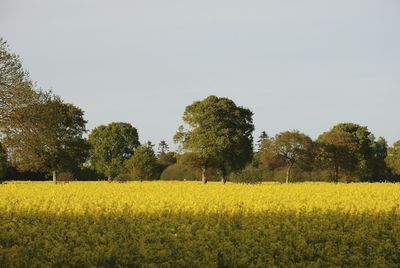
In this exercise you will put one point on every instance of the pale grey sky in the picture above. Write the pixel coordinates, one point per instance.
(303, 65)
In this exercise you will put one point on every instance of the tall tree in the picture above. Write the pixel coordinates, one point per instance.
(261, 139)
(293, 147)
(47, 136)
(267, 154)
(364, 148)
(393, 158)
(199, 161)
(143, 164)
(165, 158)
(111, 145)
(380, 168)
(40, 131)
(16, 88)
(368, 151)
(163, 148)
(218, 134)
(337, 152)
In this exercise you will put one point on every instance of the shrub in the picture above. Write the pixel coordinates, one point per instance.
(252, 174)
(65, 176)
(181, 172)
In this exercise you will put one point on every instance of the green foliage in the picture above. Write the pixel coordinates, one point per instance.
(167, 159)
(380, 170)
(16, 88)
(143, 164)
(290, 148)
(66, 176)
(362, 148)
(13, 174)
(263, 137)
(163, 148)
(267, 155)
(219, 134)
(50, 138)
(368, 152)
(352, 153)
(252, 174)
(111, 145)
(41, 132)
(393, 159)
(88, 174)
(337, 152)
(180, 172)
(164, 160)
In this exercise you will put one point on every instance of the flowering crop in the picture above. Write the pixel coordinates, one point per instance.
(188, 224)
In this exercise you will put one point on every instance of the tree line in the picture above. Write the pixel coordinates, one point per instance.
(42, 135)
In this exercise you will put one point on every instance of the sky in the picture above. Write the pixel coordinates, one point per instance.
(304, 65)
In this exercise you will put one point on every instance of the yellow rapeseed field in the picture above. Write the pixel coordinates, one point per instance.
(188, 224)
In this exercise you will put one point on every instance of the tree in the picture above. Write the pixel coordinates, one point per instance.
(16, 88)
(41, 132)
(364, 151)
(393, 158)
(293, 147)
(369, 152)
(380, 168)
(111, 145)
(337, 152)
(167, 159)
(143, 164)
(164, 157)
(163, 148)
(199, 161)
(267, 154)
(47, 136)
(218, 134)
(263, 137)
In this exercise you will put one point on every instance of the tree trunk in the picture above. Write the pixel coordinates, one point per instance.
(109, 179)
(223, 180)
(204, 175)
(336, 174)
(288, 173)
(54, 176)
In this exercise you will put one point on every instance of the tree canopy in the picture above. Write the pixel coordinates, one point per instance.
(369, 152)
(337, 152)
(40, 131)
(111, 145)
(163, 148)
(47, 136)
(218, 134)
(16, 88)
(290, 147)
(143, 164)
(393, 158)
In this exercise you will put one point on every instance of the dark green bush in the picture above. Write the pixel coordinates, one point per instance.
(180, 172)
(252, 174)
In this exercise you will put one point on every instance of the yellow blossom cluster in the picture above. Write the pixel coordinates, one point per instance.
(188, 224)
